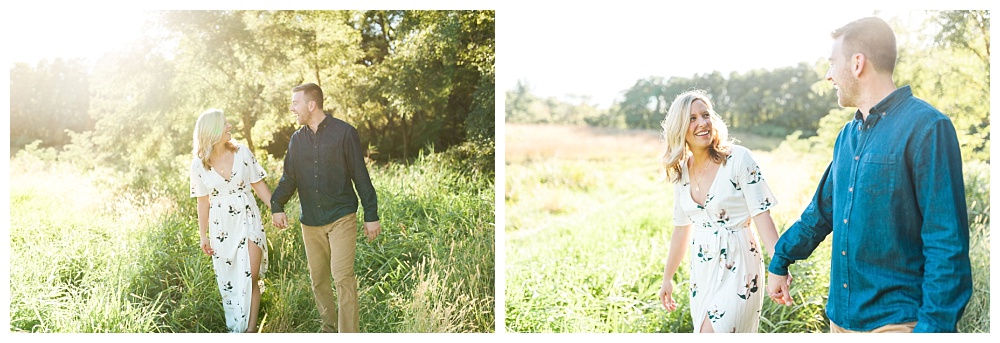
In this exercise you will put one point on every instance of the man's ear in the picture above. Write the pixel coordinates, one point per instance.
(858, 62)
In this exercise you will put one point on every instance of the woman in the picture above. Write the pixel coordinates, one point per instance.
(718, 189)
(222, 174)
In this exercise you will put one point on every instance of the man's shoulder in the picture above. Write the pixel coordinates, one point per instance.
(340, 124)
(919, 109)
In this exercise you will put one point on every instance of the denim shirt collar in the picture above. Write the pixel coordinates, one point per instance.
(882, 108)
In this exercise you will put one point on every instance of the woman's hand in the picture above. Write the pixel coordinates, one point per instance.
(778, 288)
(666, 296)
(206, 246)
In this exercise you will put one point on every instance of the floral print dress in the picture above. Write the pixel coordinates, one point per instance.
(233, 221)
(727, 266)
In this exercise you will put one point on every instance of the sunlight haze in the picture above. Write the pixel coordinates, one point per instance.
(601, 52)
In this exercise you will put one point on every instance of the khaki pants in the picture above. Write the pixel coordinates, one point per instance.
(330, 251)
(891, 328)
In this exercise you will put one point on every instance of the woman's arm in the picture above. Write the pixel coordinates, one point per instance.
(203, 205)
(263, 192)
(679, 242)
(768, 233)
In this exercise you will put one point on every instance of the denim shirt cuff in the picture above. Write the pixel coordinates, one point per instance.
(925, 327)
(779, 265)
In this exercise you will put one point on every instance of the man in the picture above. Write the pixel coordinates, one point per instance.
(894, 198)
(325, 163)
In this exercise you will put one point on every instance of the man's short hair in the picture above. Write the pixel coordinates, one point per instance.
(312, 92)
(871, 37)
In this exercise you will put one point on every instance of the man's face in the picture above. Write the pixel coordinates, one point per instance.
(300, 107)
(840, 73)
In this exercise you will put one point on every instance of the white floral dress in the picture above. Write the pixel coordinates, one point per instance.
(727, 266)
(233, 221)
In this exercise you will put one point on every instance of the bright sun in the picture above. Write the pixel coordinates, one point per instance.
(71, 33)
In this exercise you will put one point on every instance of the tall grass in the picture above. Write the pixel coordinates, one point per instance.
(99, 251)
(587, 236)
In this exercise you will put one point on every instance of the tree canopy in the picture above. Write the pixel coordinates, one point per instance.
(410, 81)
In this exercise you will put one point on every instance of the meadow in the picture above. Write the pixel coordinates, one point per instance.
(588, 227)
(90, 251)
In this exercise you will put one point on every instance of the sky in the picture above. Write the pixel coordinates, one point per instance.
(67, 33)
(601, 52)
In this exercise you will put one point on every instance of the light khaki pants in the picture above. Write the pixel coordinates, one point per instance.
(330, 251)
(891, 328)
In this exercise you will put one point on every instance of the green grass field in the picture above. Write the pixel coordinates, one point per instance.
(90, 254)
(588, 227)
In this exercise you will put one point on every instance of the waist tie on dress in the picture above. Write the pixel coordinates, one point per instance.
(724, 236)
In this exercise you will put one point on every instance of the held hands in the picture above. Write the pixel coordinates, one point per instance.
(778, 288)
(279, 220)
(666, 296)
(206, 246)
(372, 229)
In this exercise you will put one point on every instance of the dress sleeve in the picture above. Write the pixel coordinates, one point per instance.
(257, 172)
(680, 216)
(756, 193)
(198, 188)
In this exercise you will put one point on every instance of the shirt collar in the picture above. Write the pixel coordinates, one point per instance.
(881, 109)
(326, 120)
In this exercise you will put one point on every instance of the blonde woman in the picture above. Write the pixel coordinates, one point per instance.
(718, 191)
(222, 174)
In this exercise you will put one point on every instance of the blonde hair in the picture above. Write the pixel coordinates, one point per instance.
(675, 127)
(207, 132)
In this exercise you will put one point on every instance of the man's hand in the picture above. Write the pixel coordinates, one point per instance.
(279, 220)
(372, 229)
(778, 288)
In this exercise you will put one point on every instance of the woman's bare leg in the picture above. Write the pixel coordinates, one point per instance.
(255, 257)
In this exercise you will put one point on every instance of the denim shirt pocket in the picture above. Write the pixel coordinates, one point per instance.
(877, 174)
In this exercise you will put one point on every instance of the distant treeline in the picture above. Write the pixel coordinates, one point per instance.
(945, 60)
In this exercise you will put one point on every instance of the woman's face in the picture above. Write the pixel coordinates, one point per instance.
(699, 131)
(226, 133)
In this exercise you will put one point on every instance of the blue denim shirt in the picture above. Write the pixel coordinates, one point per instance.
(325, 167)
(894, 199)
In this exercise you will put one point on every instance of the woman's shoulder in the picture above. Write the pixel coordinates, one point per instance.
(738, 149)
(739, 154)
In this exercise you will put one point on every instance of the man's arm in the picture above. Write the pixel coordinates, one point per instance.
(287, 185)
(940, 191)
(799, 240)
(358, 173)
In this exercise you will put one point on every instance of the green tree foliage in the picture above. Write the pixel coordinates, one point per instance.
(413, 85)
(949, 66)
(410, 81)
(46, 100)
(772, 103)
(521, 106)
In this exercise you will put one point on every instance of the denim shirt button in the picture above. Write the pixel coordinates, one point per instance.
(857, 158)
(850, 189)
(843, 252)
(845, 285)
(845, 221)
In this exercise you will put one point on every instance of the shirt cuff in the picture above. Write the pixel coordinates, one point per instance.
(779, 265)
(277, 208)
(371, 216)
(925, 327)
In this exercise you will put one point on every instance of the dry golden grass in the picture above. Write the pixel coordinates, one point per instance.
(792, 176)
(539, 142)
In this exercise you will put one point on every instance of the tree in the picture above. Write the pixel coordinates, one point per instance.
(47, 100)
